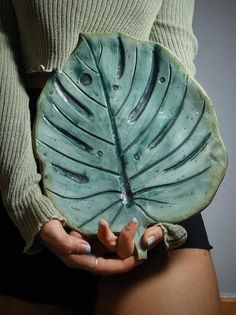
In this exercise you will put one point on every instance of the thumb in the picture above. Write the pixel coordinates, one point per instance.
(76, 245)
(152, 236)
(59, 241)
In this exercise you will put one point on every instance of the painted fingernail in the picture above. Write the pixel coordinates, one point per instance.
(87, 249)
(133, 221)
(101, 224)
(150, 240)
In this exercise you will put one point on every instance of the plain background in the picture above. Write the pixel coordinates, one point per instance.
(214, 25)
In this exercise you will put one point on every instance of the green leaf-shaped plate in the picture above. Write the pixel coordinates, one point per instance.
(123, 131)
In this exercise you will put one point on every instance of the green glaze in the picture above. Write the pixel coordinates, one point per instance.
(123, 131)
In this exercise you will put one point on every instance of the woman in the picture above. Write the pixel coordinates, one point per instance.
(36, 38)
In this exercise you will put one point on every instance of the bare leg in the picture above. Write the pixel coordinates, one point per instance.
(183, 283)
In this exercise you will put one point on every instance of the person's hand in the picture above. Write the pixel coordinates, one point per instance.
(74, 251)
(123, 244)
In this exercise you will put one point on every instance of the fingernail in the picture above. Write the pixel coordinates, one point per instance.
(133, 222)
(150, 240)
(101, 224)
(87, 249)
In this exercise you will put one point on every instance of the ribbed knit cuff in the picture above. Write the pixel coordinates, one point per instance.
(174, 235)
(34, 211)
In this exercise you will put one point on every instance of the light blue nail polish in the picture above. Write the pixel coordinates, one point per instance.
(134, 220)
(150, 240)
(100, 224)
(87, 249)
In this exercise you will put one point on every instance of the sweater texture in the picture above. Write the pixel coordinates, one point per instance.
(38, 36)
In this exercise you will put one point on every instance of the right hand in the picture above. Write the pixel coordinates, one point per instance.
(74, 251)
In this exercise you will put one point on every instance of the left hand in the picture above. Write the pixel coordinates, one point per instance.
(74, 251)
(123, 244)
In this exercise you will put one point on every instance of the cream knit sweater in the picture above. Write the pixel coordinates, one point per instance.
(39, 35)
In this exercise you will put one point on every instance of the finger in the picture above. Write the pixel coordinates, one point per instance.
(106, 236)
(111, 266)
(76, 234)
(125, 246)
(57, 240)
(152, 236)
(70, 246)
(105, 266)
(75, 245)
(84, 262)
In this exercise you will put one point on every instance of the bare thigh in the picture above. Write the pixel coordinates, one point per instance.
(183, 283)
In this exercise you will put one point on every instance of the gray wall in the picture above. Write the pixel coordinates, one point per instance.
(215, 26)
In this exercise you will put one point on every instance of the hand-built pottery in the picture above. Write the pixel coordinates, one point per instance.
(123, 131)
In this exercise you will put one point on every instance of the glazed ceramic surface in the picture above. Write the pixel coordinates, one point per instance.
(123, 131)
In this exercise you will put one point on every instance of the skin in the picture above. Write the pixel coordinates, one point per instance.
(176, 282)
(182, 282)
(70, 247)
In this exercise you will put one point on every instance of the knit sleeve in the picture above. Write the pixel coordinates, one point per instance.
(27, 207)
(173, 29)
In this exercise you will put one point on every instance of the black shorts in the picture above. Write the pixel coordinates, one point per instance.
(43, 278)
